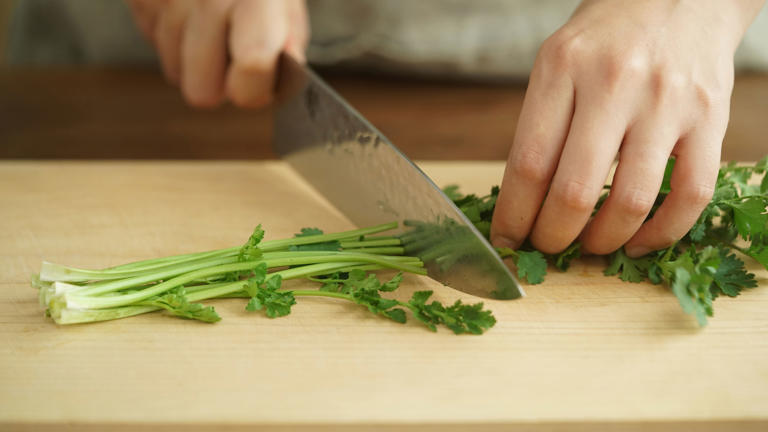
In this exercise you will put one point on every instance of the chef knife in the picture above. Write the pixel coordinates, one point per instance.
(371, 182)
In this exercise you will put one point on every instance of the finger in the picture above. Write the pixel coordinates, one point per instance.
(204, 54)
(596, 132)
(145, 13)
(259, 32)
(298, 30)
(541, 131)
(692, 185)
(642, 160)
(168, 32)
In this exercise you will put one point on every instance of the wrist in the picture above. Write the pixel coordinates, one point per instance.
(732, 17)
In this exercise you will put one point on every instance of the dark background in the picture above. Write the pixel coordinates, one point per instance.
(105, 113)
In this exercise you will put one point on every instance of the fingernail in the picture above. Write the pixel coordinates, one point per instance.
(636, 251)
(503, 242)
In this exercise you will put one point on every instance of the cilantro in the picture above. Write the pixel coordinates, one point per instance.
(691, 276)
(254, 270)
(333, 245)
(731, 276)
(479, 210)
(698, 268)
(531, 265)
(250, 250)
(750, 217)
(564, 258)
(365, 290)
(176, 302)
(263, 293)
(759, 253)
(266, 295)
(459, 317)
(628, 269)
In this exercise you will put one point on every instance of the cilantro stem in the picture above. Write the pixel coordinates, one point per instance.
(392, 250)
(69, 274)
(80, 300)
(317, 293)
(370, 243)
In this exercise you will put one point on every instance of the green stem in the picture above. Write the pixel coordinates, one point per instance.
(52, 271)
(393, 250)
(742, 198)
(155, 263)
(80, 300)
(274, 245)
(316, 293)
(370, 243)
(110, 286)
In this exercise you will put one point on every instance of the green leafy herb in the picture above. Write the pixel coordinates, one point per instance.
(365, 290)
(176, 303)
(699, 268)
(340, 262)
(563, 260)
(531, 265)
(332, 245)
(628, 269)
(250, 250)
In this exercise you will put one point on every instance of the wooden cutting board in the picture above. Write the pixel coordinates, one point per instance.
(581, 352)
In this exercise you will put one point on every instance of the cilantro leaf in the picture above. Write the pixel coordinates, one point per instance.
(628, 269)
(564, 258)
(731, 276)
(459, 317)
(334, 245)
(531, 265)
(759, 253)
(392, 284)
(306, 232)
(250, 250)
(266, 295)
(750, 217)
(692, 275)
(175, 302)
(452, 192)
(397, 315)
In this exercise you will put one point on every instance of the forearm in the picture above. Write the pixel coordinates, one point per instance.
(747, 10)
(731, 18)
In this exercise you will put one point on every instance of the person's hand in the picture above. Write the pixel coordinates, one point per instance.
(641, 79)
(217, 49)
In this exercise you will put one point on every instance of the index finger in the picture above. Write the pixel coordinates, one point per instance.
(259, 30)
(541, 131)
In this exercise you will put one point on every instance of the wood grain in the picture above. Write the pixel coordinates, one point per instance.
(581, 352)
(132, 113)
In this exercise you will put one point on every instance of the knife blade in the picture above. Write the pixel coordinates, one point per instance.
(353, 165)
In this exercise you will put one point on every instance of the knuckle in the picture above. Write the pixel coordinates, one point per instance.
(574, 195)
(666, 238)
(561, 50)
(635, 203)
(529, 164)
(620, 68)
(666, 85)
(708, 98)
(697, 195)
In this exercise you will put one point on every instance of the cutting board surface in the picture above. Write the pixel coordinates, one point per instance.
(581, 349)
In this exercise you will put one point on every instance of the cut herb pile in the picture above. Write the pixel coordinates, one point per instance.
(705, 264)
(339, 262)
